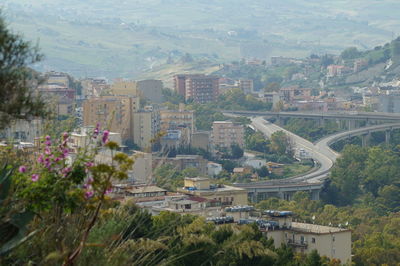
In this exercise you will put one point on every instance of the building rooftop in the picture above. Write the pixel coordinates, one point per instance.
(316, 229)
(145, 189)
(197, 178)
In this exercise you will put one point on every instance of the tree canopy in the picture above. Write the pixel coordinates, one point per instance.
(18, 100)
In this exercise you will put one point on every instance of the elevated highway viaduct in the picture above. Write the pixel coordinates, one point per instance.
(320, 152)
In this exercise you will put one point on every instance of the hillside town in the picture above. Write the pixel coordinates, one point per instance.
(276, 160)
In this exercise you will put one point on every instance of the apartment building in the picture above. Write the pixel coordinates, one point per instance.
(125, 88)
(175, 119)
(114, 113)
(81, 139)
(182, 162)
(246, 85)
(95, 87)
(146, 125)
(226, 133)
(201, 88)
(333, 242)
(150, 89)
(22, 130)
(180, 120)
(291, 94)
(57, 90)
(226, 195)
(201, 139)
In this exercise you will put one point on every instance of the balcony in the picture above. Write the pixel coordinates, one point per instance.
(298, 244)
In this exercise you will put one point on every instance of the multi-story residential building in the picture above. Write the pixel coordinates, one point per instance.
(57, 91)
(246, 85)
(175, 119)
(271, 97)
(175, 139)
(22, 130)
(333, 242)
(114, 113)
(226, 133)
(291, 94)
(226, 195)
(201, 139)
(201, 88)
(81, 138)
(149, 89)
(94, 87)
(182, 162)
(125, 88)
(146, 125)
(336, 70)
(142, 170)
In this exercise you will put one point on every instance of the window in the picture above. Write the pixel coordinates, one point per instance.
(333, 238)
(313, 240)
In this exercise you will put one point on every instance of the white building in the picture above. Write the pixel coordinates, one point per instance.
(213, 169)
(333, 242)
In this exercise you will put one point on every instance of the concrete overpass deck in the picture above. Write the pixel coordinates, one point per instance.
(320, 152)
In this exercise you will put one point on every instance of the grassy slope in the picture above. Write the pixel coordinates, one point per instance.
(125, 38)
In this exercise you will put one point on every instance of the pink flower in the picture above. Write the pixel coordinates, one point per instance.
(106, 133)
(65, 135)
(89, 164)
(66, 171)
(96, 130)
(40, 159)
(47, 151)
(108, 191)
(48, 138)
(89, 194)
(48, 143)
(22, 169)
(35, 177)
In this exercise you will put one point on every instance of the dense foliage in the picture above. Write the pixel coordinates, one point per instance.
(375, 236)
(310, 129)
(55, 194)
(18, 100)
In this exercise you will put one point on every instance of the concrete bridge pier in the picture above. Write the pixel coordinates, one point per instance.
(387, 136)
(314, 194)
(365, 138)
(321, 122)
(351, 124)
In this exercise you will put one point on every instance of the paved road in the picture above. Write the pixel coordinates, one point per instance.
(319, 151)
(352, 115)
(323, 154)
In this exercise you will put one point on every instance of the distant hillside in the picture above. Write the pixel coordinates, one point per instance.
(125, 38)
(167, 71)
(382, 64)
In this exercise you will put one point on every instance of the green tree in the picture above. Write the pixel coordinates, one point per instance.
(350, 53)
(281, 143)
(18, 99)
(347, 174)
(236, 151)
(313, 259)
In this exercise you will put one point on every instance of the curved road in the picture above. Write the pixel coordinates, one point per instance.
(319, 151)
